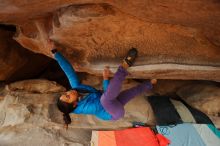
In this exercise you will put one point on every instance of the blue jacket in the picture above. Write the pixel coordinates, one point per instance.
(90, 104)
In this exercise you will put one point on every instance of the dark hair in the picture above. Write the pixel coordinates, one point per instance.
(65, 108)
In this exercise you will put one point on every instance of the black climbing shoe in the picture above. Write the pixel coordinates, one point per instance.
(130, 58)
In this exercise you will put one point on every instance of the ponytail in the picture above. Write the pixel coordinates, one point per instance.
(67, 120)
(65, 108)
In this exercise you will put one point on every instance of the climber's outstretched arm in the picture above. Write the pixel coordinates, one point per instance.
(68, 70)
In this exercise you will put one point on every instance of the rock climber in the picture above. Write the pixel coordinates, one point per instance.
(84, 99)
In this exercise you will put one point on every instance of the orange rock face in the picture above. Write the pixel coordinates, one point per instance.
(6, 55)
(16, 62)
(176, 40)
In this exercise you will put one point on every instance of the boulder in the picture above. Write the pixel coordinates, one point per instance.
(31, 117)
(203, 96)
(36, 86)
(36, 104)
(16, 62)
(174, 39)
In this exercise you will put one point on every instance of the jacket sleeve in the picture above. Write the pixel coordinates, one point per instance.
(68, 69)
(83, 87)
(105, 84)
(71, 74)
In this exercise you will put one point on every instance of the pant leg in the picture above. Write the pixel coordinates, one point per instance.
(109, 99)
(113, 107)
(115, 84)
(129, 94)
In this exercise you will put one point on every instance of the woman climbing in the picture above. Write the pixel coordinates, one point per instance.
(106, 106)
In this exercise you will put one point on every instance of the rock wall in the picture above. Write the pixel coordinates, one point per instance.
(28, 113)
(29, 116)
(16, 62)
(176, 40)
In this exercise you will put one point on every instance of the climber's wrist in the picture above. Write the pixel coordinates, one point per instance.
(105, 77)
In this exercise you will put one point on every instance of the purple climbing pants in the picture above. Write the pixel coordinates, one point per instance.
(113, 100)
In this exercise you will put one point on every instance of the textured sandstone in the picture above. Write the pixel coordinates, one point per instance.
(176, 40)
(203, 96)
(201, 14)
(16, 62)
(37, 85)
(32, 118)
(40, 107)
(10, 59)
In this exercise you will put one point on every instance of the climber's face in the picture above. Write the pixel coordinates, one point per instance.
(70, 97)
